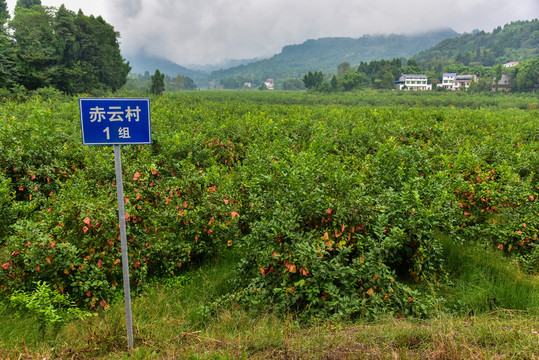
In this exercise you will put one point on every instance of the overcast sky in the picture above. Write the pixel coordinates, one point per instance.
(209, 31)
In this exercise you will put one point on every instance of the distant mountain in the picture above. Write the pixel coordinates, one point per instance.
(516, 41)
(141, 63)
(326, 54)
(434, 50)
(222, 65)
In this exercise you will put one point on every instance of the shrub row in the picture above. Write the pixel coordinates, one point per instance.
(335, 209)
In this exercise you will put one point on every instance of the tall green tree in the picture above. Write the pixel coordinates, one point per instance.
(344, 68)
(158, 83)
(527, 76)
(8, 71)
(178, 83)
(388, 81)
(27, 4)
(355, 80)
(98, 53)
(68, 77)
(313, 80)
(4, 15)
(334, 83)
(293, 84)
(189, 84)
(35, 46)
(7, 65)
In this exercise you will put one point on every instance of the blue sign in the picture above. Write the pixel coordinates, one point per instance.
(115, 121)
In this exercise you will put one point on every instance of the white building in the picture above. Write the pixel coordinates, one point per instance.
(464, 81)
(270, 84)
(448, 80)
(413, 82)
(510, 64)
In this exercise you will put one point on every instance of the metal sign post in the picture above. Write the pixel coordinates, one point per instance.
(123, 244)
(116, 122)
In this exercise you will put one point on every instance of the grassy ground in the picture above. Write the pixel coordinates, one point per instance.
(169, 323)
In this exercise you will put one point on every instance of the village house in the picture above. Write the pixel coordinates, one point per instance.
(413, 82)
(505, 81)
(454, 82)
(448, 81)
(464, 81)
(510, 64)
(270, 84)
(503, 85)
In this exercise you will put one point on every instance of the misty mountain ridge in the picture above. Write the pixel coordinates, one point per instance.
(140, 63)
(516, 41)
(225, 64)
(325, 54)
(295, 60)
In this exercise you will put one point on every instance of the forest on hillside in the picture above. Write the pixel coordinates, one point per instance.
(325, 54)
(479, 53)
(517, 41)
(46, 47)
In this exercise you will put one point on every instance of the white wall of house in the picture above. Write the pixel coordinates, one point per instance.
(414, 82)
(464, 81)
(270, 84)
(448, 80)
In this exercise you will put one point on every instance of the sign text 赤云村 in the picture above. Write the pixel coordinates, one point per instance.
(115, 121)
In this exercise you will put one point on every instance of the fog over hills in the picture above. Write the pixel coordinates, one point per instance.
(294, 60)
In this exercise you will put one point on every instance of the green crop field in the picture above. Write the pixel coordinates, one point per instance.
(277, 211)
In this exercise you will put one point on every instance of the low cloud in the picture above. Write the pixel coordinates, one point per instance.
(209, 31)
(201, 32)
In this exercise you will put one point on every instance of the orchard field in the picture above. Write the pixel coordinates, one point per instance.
(333, 207)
